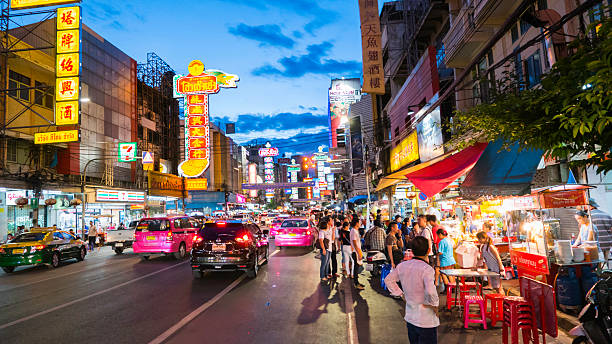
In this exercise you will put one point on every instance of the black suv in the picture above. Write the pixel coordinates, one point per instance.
(229, 246)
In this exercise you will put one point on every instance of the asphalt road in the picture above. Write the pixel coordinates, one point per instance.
(122, 299)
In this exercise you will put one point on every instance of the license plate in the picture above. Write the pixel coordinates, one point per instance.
(292, 234)
(218, 247)
(119, 244)
(217, 266)
(369, 267)
(18, 250)
(151, 238)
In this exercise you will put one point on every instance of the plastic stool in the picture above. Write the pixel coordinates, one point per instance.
(473, 318)
(450, 298)
(518, 316)
(497, 307)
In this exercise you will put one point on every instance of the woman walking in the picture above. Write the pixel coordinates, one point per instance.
(492, 260)
(325, 240)
(345, 242)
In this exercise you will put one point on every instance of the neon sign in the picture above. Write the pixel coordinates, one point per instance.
(195, 88)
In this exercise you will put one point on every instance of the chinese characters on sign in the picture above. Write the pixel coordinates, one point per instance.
(195, 88)
(268, 153)
(68, 59)
(373, 71)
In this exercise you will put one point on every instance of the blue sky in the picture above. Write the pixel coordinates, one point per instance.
(285, 52)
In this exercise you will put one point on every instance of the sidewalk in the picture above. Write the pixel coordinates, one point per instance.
(565, 321)
(380, 320)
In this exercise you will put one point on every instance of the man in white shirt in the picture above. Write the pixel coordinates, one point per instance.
(417, 279)
(357, 253)
(325, 240)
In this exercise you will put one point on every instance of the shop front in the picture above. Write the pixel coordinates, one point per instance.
(20, 207)
(114, 207)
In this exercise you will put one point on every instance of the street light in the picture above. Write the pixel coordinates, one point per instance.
(83, 184)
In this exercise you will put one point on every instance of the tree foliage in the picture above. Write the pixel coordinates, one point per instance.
(568, 116)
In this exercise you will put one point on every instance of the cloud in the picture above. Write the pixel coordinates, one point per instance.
(283, 122)
(311, 63)
(111, 15)
(270, 35)
(306, 8)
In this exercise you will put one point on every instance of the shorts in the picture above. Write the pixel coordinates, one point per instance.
(447, 267)
(494, 281)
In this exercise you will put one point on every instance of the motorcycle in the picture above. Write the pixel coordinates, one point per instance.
(596, 316)
(375, 260)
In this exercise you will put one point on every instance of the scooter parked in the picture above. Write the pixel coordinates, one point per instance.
(596, 316)
(375, 260)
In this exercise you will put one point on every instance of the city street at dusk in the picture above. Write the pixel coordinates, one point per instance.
(348, 171)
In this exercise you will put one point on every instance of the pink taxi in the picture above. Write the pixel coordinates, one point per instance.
(295, 232)
(171, 235)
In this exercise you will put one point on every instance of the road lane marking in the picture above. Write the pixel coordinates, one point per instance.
(191, 316)
(83, 270)
(29, 317)
(351, 324)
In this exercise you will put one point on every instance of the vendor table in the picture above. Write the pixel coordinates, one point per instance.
(467, 273)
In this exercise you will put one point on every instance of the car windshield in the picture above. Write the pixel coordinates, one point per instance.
(25, 237)
(212, 231)
(295, 223)
(153, 225)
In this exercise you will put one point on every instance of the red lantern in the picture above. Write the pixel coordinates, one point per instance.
(50, 201)
(21, 201)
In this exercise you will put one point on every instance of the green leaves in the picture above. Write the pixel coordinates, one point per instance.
(569, 115)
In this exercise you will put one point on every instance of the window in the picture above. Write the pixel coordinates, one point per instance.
(533, 68)
(11, 151)
(518, 69)
(514, 33)
(43, 96)
(524, 27)
(17, 81)
(58, 236)
(542, 4)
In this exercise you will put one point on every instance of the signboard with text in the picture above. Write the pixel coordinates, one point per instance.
(529, 264)
(22, 4)
(68, 66)
(127, 151)
(405, 152)
(371, 43)
(163, 184)
(195, 88)
(56, 137)
(120, 196)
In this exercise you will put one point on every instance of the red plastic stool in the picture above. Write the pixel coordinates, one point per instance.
(474, 318)
(518, 316)
(497, 307)
(450, 298)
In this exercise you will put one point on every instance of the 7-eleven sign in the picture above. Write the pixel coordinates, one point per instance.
(127, 151)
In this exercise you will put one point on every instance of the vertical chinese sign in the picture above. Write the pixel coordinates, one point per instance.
(195, 89)
(268, 153)
(67, 106)
(373, 71)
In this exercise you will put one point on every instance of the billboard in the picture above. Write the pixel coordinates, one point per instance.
(429, 132)
(342, 93)
(405, 152)
(356, 145)
(21, 4)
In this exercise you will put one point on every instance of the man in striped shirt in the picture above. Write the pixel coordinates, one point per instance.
(603, 222)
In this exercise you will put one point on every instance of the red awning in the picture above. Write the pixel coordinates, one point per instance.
(435, 178)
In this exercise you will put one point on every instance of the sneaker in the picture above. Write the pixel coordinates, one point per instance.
(324, 279)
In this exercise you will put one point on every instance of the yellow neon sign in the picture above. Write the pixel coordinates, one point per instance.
(21, 4)
(56, 137)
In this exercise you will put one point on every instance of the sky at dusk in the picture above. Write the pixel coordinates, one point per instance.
(285, 52)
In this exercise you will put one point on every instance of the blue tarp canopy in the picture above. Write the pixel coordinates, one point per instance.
(362, 199)
(501, 172)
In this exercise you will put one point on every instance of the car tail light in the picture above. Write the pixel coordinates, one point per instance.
(169, 236)
(221, 223)
(197, 239)
(307, 232)
(243, 239)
